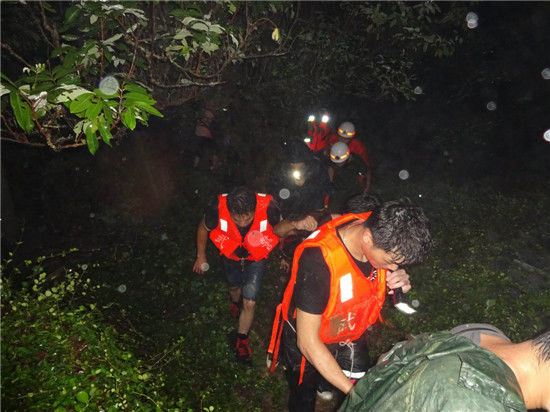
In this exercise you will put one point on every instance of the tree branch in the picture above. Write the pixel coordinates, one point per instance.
(52, 29)
(14, 54)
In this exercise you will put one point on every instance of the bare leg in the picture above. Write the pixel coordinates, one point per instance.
(235, 293)
(246, 317)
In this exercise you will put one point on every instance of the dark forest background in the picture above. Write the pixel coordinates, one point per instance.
(100, 307)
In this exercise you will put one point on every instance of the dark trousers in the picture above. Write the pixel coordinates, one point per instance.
(302, 396)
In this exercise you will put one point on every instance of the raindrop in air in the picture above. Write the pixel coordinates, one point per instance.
(108, 85)
(121, 288)
(418, 90)
(415, 303)
(472, 20)
(284, 193)
(546, 135)
(205, 266)
(92, 215)
(545, 74)
(403, 174)
(420, 195)
(491, 106)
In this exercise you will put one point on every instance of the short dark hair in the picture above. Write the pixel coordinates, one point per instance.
(241, 200)
(361, 203)
(402, 229)
(542, 345)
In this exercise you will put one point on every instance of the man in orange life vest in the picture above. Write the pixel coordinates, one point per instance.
(336, 291)
(241, 226)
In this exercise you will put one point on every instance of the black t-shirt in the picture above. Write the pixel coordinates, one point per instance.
(312, 289)
(211, 217)
(300, 200)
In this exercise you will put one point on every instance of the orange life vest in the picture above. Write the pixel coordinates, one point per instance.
(259, 240)
(355, 300)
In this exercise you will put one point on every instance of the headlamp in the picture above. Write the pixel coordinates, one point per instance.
(307, 139)
(341, 158)
(311, 118)
(324, 119)
(296, 174)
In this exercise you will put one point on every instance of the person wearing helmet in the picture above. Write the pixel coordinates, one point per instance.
(346, 134)
(348, 175)
(318, 131)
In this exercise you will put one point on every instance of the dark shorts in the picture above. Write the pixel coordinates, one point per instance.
(248, 276)
(352, 358)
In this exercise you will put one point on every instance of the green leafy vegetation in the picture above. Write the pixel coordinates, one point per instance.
(58, 354)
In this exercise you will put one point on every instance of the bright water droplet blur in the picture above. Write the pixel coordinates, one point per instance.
(472, 20)
(284, 193)
(546, 135)
(84, 266)
(403, 174)
(108, 85)
(205, 266)
(121, 288)
(164, 236)
(545, 74)
(415, 303)
(92, 215)
(418, 90)
(420, 195)
(491, 106)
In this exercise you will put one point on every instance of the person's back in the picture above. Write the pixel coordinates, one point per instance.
(349, 179)
(301, 183)
(445, 371)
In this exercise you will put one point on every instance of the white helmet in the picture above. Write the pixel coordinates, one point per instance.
(347, 130)
(339, 152)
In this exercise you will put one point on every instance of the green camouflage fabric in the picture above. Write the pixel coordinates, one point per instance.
(437, 372)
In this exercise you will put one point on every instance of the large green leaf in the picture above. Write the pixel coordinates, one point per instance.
(91, 138)
(139, 97)
(129, 118)
(82, 103)
(67, 92)
(104, 131)
(148, 108)
(70, 14)
(131, 87)
(93, 110)
(108, 112)
(22, 112)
